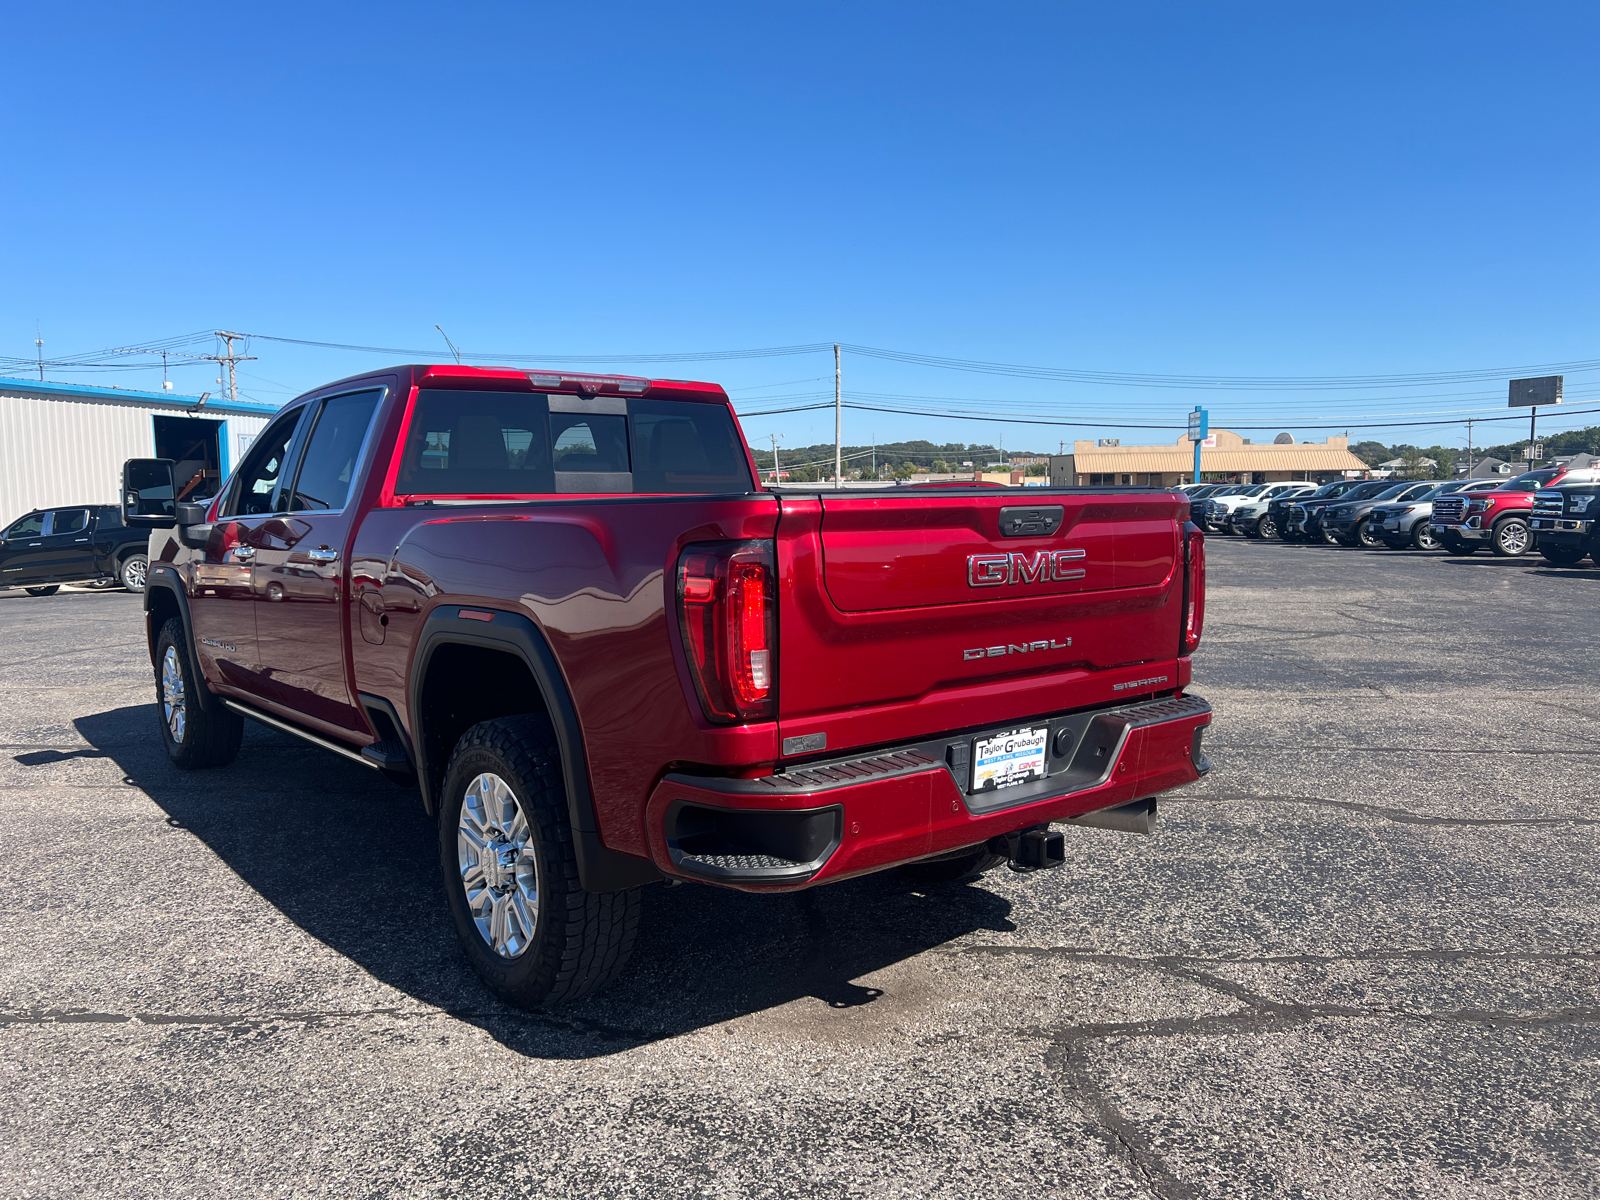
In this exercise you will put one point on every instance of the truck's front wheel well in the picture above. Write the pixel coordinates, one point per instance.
(463, 686)
(160, 607)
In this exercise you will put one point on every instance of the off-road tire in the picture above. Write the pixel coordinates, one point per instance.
(1511, 538)
(1421, 539)
(1267, 528)
(957, 867)
(581, 940)
(1368, 536)
(133, 570)
(49, 589)
(210, 739)
(1563, 556)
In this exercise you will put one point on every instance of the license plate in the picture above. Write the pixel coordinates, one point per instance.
(1009, 758)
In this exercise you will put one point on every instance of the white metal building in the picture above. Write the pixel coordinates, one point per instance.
(64, 443)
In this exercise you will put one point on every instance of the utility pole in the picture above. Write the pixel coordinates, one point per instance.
(838, 421)
(1469, 447)
(38, 345)
(774, 458)
(230, 358)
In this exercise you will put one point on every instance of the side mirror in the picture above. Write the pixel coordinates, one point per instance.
(148, 493)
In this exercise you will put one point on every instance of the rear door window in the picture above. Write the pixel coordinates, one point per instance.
(69, 520)
(486, 444)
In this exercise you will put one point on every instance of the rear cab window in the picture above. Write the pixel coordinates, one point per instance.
(488, 445)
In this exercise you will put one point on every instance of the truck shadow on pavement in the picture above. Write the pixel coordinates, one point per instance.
(353, 861)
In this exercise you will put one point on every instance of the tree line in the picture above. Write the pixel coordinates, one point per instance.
(1573, 441)
(894, 460)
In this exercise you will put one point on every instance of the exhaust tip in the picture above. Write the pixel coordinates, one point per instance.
(1139, 816)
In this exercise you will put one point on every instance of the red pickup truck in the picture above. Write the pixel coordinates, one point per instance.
(1500, 518)
(564, 608)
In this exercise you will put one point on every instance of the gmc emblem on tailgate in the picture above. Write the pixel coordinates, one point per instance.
(991, 570)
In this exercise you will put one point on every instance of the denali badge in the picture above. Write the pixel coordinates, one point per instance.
(991, 570)
(1015, 648)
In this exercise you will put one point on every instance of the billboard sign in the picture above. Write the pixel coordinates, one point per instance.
(1543, 389)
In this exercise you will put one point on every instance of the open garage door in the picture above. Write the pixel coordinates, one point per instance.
(192, 443)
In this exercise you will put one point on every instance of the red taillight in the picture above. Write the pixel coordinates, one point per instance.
(728, 611)
(1194, 587)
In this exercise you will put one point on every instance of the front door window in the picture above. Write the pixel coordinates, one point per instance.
(300, 573)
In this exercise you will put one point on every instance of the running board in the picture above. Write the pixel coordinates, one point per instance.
(343, 751)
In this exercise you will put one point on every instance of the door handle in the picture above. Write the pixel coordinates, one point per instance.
(323, 555)
(80, 539)
(244, 554)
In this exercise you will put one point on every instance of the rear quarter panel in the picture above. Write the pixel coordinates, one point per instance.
(597, 577)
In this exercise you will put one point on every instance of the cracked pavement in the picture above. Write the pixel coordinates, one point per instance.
(1361, 959)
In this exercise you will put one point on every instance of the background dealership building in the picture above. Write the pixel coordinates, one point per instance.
(64, 443)
(1225, 455)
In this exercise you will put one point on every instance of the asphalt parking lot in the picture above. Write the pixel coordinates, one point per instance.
(1359, 960)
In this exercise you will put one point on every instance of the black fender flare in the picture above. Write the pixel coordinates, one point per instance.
(600, 869)
(165, 578)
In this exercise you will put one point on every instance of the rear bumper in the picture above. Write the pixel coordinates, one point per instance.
(826, 821)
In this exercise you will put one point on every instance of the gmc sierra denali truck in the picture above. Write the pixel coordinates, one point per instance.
(1499, 518)
(564, 608)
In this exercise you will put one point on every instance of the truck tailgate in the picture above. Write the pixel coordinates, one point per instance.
(908, 614)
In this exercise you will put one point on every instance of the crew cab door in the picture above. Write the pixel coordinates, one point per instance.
(68, 551)
(221, 600)
(22, 550)
(300, 582)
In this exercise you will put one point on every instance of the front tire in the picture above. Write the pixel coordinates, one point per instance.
(1327, 537)
(531, 932)
(1367, 534)
(1563, 556)
(1511, 538)
(194, 738)
(134, 570)
(1267, 528)
(47, 590)
(1423, 538)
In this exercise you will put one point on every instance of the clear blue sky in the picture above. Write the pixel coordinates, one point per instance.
(1272, 190)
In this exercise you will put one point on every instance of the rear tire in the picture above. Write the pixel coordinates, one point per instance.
(133, 571)
(194, 738)
(531, 932)
(48, 590)
(1423, 539)
(958, 867)
(1511, 538)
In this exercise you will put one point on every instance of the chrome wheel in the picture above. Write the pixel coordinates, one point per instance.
(134, 572)
(498, 872)
(172, 695)
(1511, 539)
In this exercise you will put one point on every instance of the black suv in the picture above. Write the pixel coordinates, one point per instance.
(83, 543)
(1278, 510)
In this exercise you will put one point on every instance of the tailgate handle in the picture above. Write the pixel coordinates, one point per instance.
(1030, 520)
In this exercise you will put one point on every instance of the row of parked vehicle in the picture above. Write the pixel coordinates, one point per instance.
(1551, 510)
